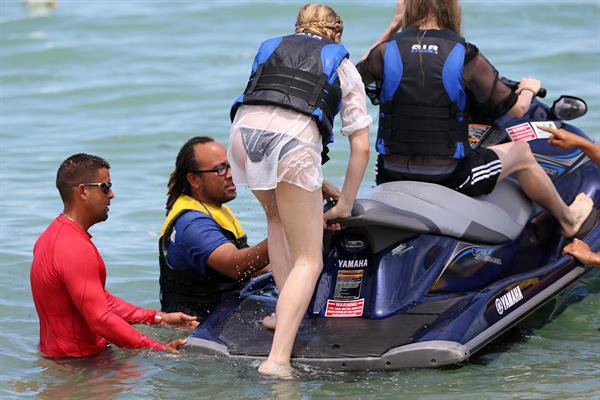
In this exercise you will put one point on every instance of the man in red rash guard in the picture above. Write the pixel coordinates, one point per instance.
(78, 317)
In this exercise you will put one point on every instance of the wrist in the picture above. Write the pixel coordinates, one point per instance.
(344, 206)
(533, 92)
(158, 318)
(584, 145)
(591, 258)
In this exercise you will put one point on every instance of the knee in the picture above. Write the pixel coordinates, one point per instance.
(524, 154)
(524, 151)
(272, 214)
(312, 266)
(273, 219)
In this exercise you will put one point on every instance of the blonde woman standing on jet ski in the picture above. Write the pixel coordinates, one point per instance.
(281, 125)
(425, 76)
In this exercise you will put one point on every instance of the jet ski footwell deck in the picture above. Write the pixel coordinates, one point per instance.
(361, 344)
(344, 343)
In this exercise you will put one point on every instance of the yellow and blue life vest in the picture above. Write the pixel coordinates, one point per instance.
(191, 286)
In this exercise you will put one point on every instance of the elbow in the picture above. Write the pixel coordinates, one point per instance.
(360, 148)
(231, 270)
(98, 322)
(518, 110)
(235, 274)
(246, 268)
(366, 152)
(234, 270)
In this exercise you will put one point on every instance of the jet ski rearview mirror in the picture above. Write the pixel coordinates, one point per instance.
(568, 108)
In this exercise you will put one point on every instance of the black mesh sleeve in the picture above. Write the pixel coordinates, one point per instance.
(489, 97)
(371, 71)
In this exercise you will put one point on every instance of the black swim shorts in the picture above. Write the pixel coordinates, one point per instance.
(474, 175)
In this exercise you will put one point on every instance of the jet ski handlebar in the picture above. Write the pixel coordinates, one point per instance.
(514, 85)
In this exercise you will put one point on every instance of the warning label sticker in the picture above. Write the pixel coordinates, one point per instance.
(476, 132)
(521, 133)
(540, 133)
(344, 308)
(348, 284)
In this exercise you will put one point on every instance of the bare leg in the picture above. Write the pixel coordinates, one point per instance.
(517, 158)
(280, 247)
(302, 219)
(279, 253)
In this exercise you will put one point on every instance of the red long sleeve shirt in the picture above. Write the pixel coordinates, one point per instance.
(78, 317)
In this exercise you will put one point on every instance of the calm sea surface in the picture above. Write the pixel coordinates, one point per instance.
(132, 81)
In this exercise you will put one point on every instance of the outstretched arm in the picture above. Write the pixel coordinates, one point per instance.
(238, 263)
(359, 158)
(206, 245)
(528, 88)
(130, 313)
(391, 29)
(83, 280)
(566, 140)
(355, 124)
(581, 251)
(133, 314)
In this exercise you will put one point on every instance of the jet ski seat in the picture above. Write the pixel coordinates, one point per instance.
(419, 207)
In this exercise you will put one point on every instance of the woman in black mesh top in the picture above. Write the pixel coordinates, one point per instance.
(426, 78)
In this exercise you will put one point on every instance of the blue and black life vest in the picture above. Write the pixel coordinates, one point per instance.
(422, 100)
(298, 72)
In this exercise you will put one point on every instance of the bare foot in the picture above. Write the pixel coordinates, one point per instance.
(276, 370)
(269, 321)
(581, 208)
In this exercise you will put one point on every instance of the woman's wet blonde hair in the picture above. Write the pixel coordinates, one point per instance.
(445, 12)
(319, 19)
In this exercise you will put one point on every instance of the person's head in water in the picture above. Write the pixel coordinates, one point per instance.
(202, 172)
(83, 182)
(321, 20)
(446, 13)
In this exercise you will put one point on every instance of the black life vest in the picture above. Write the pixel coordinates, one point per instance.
(190, 286)
(298, 72)
(422, 100)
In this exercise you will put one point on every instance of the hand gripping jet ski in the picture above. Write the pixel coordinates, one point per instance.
(423, 276)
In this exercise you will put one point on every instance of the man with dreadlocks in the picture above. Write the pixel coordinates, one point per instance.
(203, 250)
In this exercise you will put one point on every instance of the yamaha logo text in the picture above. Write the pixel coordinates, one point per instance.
(352, 263)
(508, 300)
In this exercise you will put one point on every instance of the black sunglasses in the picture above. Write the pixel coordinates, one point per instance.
(221, 170)
(104, 186)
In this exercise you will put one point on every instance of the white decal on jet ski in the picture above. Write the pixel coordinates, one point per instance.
(508, 300)
(483, 254)
(401, 249)
(172, 237)
(352, 263)
(460, 247)
(550, 171)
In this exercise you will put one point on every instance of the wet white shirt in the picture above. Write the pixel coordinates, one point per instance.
(270, 144)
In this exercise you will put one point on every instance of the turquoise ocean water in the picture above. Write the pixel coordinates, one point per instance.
(132, 81)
